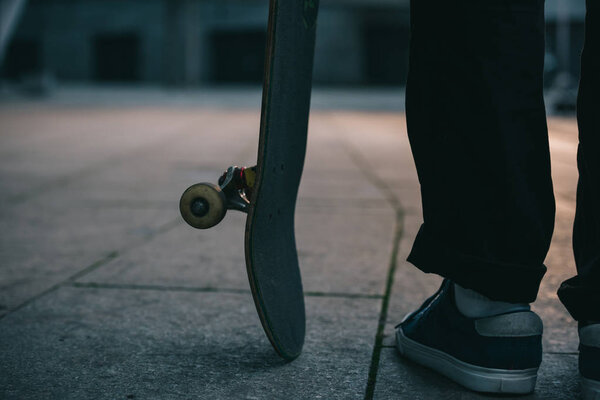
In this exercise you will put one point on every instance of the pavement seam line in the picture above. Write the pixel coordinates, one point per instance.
(206, 289)
(97, 264)
(378, 345)
(160, 288)
(367, 170)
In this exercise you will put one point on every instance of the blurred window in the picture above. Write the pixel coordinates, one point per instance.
(23, 57)
(116, 57)
(238, 56)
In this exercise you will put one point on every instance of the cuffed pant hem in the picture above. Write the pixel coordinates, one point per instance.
(582, 301)
(513, 283)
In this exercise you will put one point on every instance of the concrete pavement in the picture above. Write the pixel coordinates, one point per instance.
(106, 293)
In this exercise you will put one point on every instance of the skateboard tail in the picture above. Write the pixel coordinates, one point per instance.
(277, 288)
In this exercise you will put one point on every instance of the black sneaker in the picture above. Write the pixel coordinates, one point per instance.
(499, 354)
(589, 360)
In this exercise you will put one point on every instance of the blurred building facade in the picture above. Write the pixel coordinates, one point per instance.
(203, 42)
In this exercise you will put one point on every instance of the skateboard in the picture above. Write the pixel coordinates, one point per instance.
(267, 192)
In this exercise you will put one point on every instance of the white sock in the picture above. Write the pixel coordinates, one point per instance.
(475, 305)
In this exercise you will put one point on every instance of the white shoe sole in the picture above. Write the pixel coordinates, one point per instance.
(479, 379)
(590, 389)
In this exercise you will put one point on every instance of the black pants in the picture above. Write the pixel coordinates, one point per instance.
(477, 128)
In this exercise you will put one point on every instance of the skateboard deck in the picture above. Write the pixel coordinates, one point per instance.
(268, 191)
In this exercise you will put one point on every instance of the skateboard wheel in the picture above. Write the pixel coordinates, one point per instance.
(203, 205)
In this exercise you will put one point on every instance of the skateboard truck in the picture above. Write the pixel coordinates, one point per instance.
(204, 205)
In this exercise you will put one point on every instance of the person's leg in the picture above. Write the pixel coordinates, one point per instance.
(581, 294)
(477, 128)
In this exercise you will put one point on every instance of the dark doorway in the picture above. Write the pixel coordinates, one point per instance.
(117, 57)
(22, 58)
(386, 54)
(238, 57)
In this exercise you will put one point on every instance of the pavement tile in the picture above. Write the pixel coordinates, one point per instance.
(342, 187)
(344, 251)
(42, 245)
(82, 184)
(351, 251)
(90, 343)
(184, 257)
(135, 151)
(60, 145)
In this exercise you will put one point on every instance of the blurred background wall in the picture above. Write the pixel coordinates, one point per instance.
(208, 42)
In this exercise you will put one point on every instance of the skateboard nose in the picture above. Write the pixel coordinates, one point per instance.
(199, 207)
